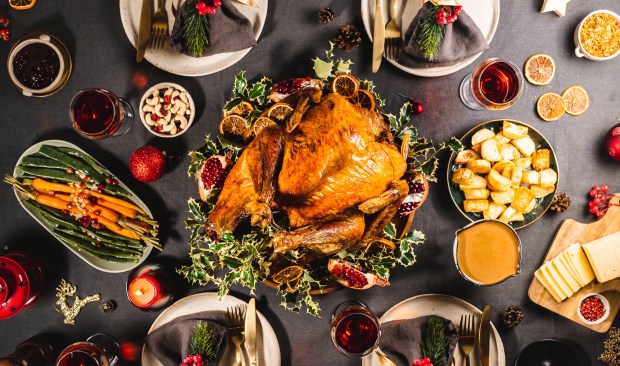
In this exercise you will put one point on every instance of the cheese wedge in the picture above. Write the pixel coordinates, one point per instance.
(539, 276)
(578, 260)
(565, 274)
(604, 257)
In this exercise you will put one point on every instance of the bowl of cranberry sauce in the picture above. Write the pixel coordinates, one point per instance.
(36, 65)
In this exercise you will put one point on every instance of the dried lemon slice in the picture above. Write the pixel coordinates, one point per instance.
(288, 274)
(345, 85)
(364, 99)
(233, 126)
(539, 69)
(550, 106)
(22, 4)
(242, 109)
(576, 99)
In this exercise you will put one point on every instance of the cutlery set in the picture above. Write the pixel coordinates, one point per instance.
(386, 41)
(153, 29)
(242, 331)
(475, 331)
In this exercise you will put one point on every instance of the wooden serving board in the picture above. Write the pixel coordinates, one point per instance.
(571, 232)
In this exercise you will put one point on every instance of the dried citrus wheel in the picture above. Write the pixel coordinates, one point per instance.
(233, 126)
(380, 244)
(550, 106)
(288, 274)
(364, 99)
(243, 109)
(280, 111)
(22, 4)
(261, 123)
(345, 85)
(539, 69)
(576, 99)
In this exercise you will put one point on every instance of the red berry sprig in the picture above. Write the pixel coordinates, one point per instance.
(5, 34)
(448, 14)
(195, 360)
(204, 9)
(601, 200)
(416, 107)
(422, 362)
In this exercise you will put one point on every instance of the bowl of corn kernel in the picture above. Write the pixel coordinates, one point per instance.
(597, 37)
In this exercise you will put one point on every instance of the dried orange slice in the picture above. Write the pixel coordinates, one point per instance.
(345, 85)
(288, 274)
(576, 99)
(22, 4)
(280, 111)
(539, 69)
(233, 126)
(550, 106)
(364, 99)
(380, 244)
(260, 123)
(243, 109)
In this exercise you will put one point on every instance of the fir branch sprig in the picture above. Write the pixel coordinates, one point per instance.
(434, 341)
(202, 342)
(431, 33)
(195, 29)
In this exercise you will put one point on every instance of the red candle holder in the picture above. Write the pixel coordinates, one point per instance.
(149, 287)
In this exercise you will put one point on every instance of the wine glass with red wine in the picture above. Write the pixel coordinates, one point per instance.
(355, 329)
(98, 350)
(98, 113)
(495, 84)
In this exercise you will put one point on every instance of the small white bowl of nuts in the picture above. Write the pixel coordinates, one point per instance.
(167, 110)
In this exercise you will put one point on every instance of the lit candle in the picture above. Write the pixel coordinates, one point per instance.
(144, 291)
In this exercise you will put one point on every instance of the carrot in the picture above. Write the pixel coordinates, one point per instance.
(117, 201)
(64, 197)
(125, 211)
(117, 229)
(45, 186)
(51, 201)
(104, 212)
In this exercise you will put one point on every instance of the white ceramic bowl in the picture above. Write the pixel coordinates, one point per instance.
(605, 305)
(580, 50)
(47, 40)
(166, 85)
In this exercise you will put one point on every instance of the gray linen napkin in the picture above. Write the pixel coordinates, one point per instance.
(229, 31)
(400, 339)
(461, 40)
(170, 342)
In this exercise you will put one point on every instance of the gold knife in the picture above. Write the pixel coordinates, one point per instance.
(144, 30)
(250, 332)
(484, 336)
(378, 37)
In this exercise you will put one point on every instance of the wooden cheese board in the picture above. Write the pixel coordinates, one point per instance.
(571, 232)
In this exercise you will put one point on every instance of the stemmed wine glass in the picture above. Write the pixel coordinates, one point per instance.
(98, 350)
(98, 113)
(495, 84)
(355, 329)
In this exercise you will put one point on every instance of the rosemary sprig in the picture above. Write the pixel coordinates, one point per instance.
(434, 341)
(195, 30)
(431, 33)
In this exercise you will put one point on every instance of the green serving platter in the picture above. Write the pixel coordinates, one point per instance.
(542, 204)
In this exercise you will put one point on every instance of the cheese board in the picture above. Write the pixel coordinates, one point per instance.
(570, 232)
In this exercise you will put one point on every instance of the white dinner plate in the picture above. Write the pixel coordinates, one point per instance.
(266, 341)
(485, 13)
(98, 263)
(169, 59)
(450, 308)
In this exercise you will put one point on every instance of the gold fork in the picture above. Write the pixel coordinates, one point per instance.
(467, 336)
(159, 27)
(236, 323)
(393, 39)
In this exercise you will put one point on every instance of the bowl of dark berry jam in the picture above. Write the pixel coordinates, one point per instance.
(39, 65)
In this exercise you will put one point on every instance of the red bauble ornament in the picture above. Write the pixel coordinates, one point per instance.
(612, 142)
(147, 164)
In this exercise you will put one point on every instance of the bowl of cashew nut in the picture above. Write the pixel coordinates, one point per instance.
(167, 110)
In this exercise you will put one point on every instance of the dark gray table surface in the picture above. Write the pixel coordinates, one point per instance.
(103, 57)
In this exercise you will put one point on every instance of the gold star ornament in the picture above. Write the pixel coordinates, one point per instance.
(556, 6)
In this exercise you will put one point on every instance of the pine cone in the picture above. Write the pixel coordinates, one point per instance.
(347, 37)
(513, 315)
(326, 15)
(560, 202)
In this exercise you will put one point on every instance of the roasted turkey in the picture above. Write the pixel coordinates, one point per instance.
(336, 174)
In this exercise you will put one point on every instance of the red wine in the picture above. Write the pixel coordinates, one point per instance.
(496, 84)
(356, 333)
(78, 358)
(95, 113)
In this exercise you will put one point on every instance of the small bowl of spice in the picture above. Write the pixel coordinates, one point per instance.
(39, 65)
(597, 37)
(167, 110)
(593, 309)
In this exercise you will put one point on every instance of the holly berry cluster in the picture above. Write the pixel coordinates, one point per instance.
(204, 9)
(416, 107)
(448, 14)
(601, 200)
(5, 33)
(195, 360)
(422, 362)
